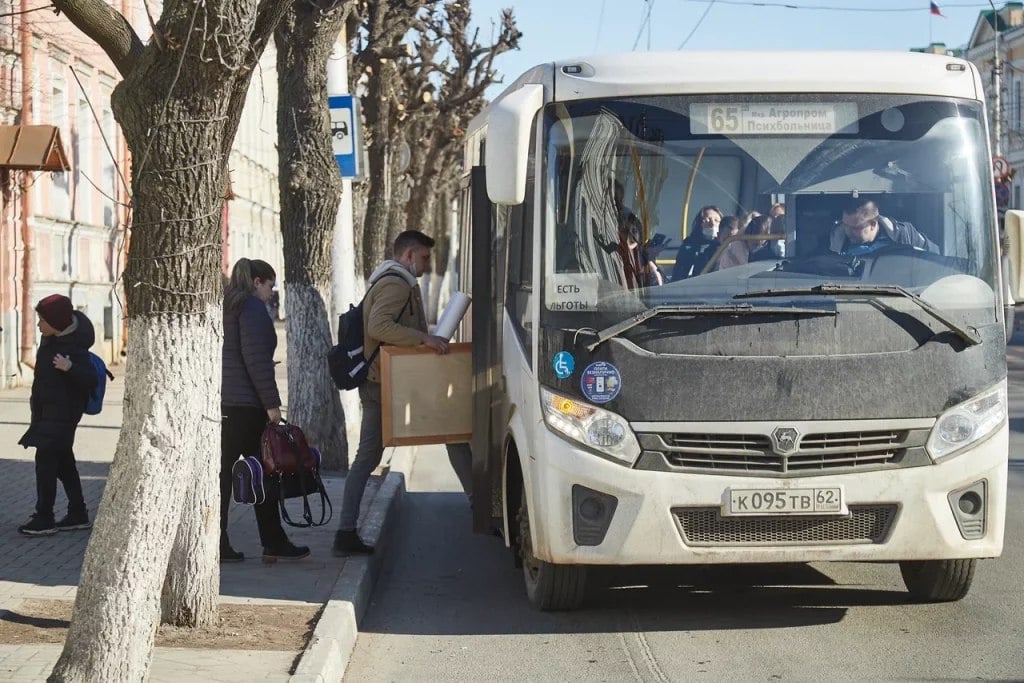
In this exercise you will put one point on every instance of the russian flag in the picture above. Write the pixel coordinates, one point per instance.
(935, 10)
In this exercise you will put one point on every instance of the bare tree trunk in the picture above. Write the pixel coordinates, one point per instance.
(118, 600)
(192, 583)
(378, 205)
(428, 171)
(360, 192)
(310, 194)
(179, 107)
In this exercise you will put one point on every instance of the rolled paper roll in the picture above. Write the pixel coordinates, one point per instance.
(452, 315)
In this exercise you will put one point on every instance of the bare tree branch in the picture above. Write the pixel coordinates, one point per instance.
(107, 27)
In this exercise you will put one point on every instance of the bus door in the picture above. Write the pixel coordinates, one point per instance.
(485, 251)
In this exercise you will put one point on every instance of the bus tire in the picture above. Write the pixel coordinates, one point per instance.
(938, 580)
(548, 586)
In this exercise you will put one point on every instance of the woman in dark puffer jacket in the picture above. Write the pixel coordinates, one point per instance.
(249, 398)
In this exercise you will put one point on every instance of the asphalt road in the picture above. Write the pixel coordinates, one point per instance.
(451, 606)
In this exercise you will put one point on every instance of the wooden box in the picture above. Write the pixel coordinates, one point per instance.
(426, 398)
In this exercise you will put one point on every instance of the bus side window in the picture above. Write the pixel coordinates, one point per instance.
(519, 263)
(520, 269)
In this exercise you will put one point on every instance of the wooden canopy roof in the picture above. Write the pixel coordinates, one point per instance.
(32, 148)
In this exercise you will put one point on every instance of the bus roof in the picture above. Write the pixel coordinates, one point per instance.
(737, 71)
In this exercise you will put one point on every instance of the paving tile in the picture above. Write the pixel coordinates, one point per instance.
(50, 567)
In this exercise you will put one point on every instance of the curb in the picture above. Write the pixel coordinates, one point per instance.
(327, 653)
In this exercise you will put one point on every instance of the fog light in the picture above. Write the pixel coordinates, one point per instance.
(592, 513)
(970, 503)
(968, 507)
(591, 509)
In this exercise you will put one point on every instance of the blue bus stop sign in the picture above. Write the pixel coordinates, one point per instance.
(345, 138)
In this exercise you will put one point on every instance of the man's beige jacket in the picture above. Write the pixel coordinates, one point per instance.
(386, 298)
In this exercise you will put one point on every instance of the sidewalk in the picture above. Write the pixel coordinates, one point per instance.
(48, 568)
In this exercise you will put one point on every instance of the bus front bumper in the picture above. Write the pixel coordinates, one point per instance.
(675, 518)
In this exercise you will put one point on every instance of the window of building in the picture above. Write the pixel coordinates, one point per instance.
(109, 184)
(1016, 104)
(60, 198)
(84, 176)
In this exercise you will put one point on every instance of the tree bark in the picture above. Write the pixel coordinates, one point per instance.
(178, 107)
(310, 194)
(192, 582)
(376, 222)
(118, 600)
(106, 27)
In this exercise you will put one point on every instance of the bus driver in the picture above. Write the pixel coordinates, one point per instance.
(863, 230)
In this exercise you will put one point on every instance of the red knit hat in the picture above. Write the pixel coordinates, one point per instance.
(56, 310)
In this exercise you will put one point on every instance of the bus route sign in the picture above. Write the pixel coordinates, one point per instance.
(346, 142)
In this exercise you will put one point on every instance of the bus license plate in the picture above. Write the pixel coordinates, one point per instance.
(813, 501)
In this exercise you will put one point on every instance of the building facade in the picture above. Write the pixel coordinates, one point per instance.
(67, 231)
(1000, 34)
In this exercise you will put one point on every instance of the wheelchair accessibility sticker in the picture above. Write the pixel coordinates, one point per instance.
(601, 382)
(564, 364)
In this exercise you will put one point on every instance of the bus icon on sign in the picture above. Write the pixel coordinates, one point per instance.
(346, 136)
(341, 126)
(339, 129)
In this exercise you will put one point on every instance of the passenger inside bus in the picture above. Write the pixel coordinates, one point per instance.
(634, 263)
(745, 251)
(864, 230)
(701, 244)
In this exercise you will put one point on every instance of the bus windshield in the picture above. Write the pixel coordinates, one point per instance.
(679, 200)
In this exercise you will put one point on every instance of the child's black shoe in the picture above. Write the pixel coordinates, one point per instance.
(38, 526)
(71, 522)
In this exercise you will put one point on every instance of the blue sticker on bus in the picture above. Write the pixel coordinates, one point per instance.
(601, 382)
(564, 364)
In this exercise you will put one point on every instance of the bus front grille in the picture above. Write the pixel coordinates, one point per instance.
(754, 454)
(705, 526)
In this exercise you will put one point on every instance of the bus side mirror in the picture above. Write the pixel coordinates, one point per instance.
(1013, 226)
(508, 143)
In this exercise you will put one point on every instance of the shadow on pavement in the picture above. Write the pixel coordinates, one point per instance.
(50, 560)
(472, 587)
(32, 566)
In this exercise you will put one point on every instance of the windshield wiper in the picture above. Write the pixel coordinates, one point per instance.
(702, 309)
(970, 337)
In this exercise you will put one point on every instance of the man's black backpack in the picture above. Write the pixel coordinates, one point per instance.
(346, 362)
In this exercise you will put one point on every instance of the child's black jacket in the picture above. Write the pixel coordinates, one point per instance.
(58, 398)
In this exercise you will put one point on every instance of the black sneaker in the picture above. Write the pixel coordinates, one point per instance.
(72, 522)
(38, 526)
(287, 552)
(347, 542)
(227, 553)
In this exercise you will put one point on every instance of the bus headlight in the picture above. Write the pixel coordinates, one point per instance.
(595, 428)
(968, 422)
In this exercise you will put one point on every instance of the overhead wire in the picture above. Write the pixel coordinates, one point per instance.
(837, 8)
(600, 25)
(643, 24)
(697, 26)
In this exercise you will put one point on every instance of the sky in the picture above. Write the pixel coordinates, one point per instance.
(557, 29)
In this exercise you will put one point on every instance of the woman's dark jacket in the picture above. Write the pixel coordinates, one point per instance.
(248, 357)
(58, 398)
(694, 254)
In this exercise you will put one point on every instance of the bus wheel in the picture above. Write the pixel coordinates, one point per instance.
(938, 580)
(548, 586)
